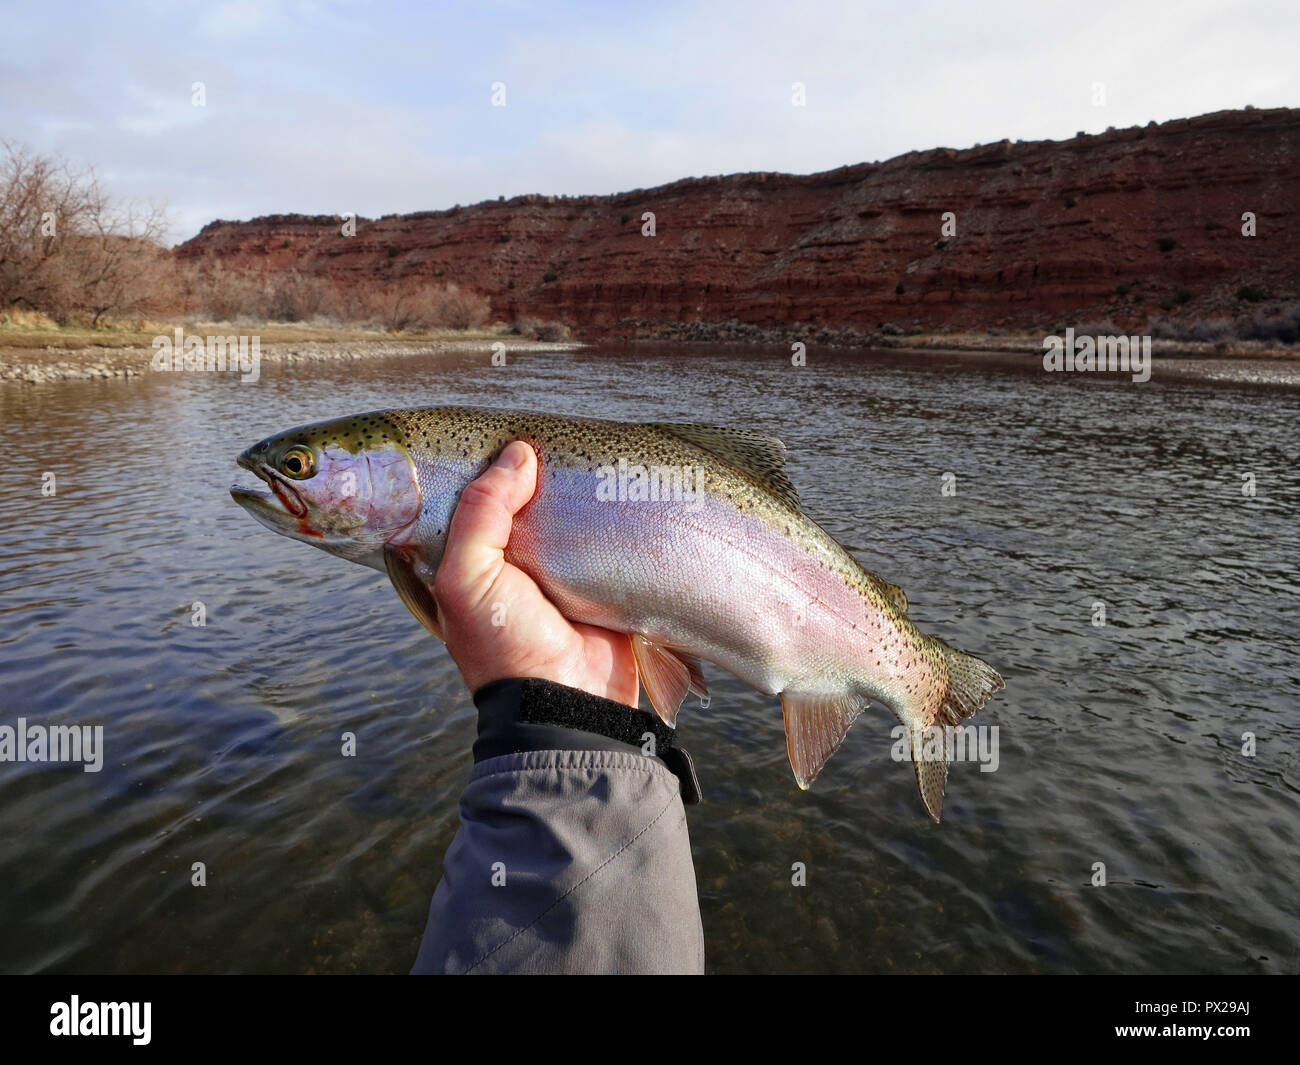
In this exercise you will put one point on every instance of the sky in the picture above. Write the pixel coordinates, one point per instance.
(322, 107)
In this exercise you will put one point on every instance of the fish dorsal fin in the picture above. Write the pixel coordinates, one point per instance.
(815, 726)
(761, 457)
(410, 589)
(667, 676)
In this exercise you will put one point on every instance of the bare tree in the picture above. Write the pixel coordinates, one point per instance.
(68, 250)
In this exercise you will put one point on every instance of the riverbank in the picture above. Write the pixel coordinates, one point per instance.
(66, 355)
(896, 338)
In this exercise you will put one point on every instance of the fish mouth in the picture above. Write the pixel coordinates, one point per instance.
(281, 488)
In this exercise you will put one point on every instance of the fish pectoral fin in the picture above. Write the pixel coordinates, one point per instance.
(815, 726)
(667, 676)
(410, 589)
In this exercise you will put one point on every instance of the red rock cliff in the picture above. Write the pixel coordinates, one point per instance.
(1115, 225)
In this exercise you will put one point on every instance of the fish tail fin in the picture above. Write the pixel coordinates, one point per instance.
(970, 683)
(931, 772)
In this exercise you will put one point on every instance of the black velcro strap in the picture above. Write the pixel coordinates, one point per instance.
(546, 703)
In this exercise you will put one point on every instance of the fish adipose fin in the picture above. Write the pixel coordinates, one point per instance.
(667, 676)
(761, 457)
(970, 683)
(412, 591)
(894, 594)
(815, 726)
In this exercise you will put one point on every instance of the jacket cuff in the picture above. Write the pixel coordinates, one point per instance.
(528, 714)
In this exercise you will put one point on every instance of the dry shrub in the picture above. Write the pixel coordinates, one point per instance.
(536, 329)
(461, 309)
(295, 297)
(225, 294)
(411, 305)
(1275, 325)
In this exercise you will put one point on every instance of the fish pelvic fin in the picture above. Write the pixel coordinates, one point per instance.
(815, 726)
(667, 676)
(970, 683)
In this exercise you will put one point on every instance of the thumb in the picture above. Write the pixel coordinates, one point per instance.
(480, 528)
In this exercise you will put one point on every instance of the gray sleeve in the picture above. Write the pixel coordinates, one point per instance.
(567, 861)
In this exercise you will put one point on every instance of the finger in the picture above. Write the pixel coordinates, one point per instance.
(480, 528)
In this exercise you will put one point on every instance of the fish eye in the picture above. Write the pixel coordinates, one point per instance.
(298, 463)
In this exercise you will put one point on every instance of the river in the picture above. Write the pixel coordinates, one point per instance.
(1124, 553)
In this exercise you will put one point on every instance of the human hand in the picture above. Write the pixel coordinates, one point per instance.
(476, 588)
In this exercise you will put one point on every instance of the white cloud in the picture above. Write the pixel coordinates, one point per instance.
(238, 18)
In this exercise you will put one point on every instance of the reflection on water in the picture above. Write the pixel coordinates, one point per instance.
(1120, 744)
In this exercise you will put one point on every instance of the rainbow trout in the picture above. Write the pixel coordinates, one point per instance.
(688, 538)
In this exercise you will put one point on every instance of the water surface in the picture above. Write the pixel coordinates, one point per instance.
(1119, 744)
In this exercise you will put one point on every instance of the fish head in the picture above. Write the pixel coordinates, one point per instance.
(347, 486)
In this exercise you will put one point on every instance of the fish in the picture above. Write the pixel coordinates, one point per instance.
(691, 539)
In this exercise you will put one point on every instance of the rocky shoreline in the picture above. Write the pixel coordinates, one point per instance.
(912, 337)
(47, 365)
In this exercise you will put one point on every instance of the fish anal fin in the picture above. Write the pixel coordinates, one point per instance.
(815, 726)
(411, 589)
(667, 676)
(755, 454)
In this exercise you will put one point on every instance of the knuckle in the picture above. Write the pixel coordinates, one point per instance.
(481, 492)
